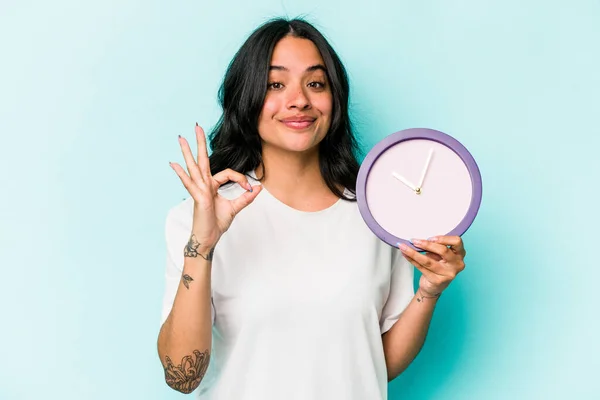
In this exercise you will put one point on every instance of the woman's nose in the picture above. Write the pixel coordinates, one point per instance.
(299, 100)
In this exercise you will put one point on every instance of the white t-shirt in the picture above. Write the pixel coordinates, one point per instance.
(299, 300)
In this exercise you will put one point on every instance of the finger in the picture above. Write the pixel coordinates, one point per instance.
(228, 174)
(443, 251)
(455, 243)
(190, 163)
(245, 199)
(433, 256)
(429, 275)
(203, 161)
(421, 259)
(186, 180)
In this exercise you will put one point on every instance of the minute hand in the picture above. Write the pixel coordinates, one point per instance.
(425, 169)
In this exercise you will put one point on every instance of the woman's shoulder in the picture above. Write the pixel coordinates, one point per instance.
(180, 215)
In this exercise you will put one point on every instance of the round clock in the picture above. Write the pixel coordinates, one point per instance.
(418, 183)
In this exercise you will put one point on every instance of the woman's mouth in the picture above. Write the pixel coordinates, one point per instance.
(298, 123)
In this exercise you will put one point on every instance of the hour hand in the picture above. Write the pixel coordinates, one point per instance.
(404, 180)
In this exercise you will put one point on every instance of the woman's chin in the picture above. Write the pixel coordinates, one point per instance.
(295, 147)
(294, 143)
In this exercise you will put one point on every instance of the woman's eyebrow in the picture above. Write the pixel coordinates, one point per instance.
(309, 69)
(316, 67)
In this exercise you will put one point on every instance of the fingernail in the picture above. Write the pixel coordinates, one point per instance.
(179, 136)
(416, 241)
(196, 124)
(402, 246)
(432, 239)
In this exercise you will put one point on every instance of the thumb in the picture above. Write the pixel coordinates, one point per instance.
(246, 198)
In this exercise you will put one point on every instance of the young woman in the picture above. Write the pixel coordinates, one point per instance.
(275, 287)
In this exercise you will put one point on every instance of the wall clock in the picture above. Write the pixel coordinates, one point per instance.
(418, 183)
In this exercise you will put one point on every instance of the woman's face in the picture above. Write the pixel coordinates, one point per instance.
(296, 114)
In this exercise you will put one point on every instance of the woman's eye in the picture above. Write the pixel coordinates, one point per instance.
(275, 85)
(317, 85)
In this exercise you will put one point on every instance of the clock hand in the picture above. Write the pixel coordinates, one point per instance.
(404, 180)
(425, 169)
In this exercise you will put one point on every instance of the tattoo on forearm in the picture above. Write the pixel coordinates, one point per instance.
(191, 249)
(186, 376)
(186, 280)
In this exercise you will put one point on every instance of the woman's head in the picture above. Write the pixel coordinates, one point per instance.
(284, 73)
(296, 111)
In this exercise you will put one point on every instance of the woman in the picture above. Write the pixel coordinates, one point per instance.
(275, 287)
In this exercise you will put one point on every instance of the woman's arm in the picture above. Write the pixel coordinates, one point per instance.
(406, 337)
(185, 339)
(442, 262)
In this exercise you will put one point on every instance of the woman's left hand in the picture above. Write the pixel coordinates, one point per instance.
(443, 260)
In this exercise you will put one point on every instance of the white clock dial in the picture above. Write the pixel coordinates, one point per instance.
(442, 202)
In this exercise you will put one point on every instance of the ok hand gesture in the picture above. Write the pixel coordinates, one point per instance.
(213, 213)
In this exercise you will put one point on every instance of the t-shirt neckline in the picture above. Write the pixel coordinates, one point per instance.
(290, 209)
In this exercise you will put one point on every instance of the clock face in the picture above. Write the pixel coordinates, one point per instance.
(418, 183)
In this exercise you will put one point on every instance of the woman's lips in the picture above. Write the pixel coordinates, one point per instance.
(298, 125)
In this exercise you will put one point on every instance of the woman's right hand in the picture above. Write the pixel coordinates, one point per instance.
(213, 213)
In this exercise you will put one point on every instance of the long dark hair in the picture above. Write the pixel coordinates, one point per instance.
(235, 141)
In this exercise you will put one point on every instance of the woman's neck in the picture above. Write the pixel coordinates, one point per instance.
(295, 179)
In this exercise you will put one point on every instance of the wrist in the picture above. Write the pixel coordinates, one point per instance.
(422, 295)
(196, 249)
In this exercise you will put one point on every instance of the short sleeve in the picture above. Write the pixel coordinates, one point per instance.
(401, 291)
(177, 233)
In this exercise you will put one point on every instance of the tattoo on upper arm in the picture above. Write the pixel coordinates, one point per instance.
(186, 280)
(186, 376)
(191, 249)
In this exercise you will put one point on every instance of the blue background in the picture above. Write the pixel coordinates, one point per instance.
(94, 94)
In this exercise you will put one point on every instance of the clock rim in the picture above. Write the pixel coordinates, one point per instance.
(414, 134)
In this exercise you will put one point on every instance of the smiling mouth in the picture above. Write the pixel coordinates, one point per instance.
(298, 124)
